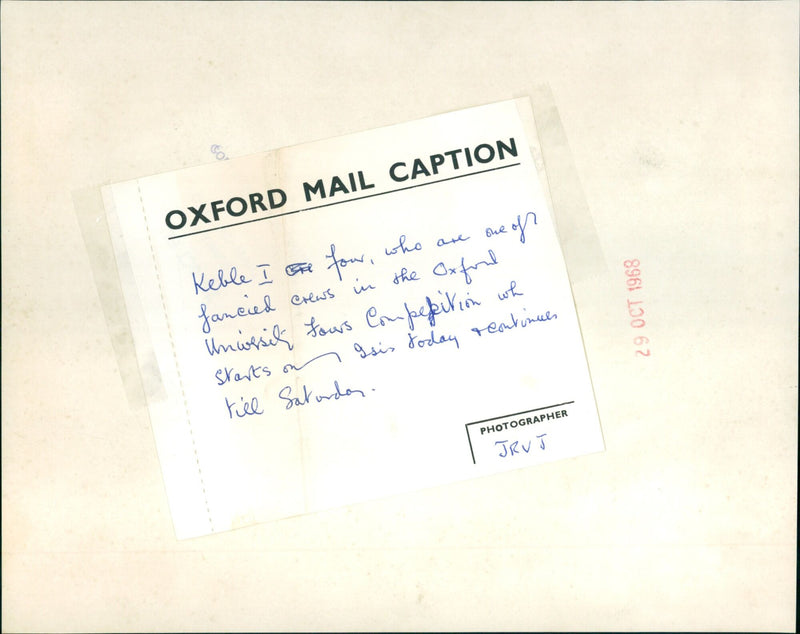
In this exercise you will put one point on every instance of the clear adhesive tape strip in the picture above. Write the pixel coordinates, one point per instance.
(576, 230)
(140, 374)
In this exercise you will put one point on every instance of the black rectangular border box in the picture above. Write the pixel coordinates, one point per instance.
(486, 420)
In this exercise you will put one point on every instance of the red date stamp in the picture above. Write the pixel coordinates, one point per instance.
(633, 273)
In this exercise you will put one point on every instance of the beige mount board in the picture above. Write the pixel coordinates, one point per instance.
(673, 125)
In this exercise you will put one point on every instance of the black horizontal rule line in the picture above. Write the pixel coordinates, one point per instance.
(527, 411)
(341, 202)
